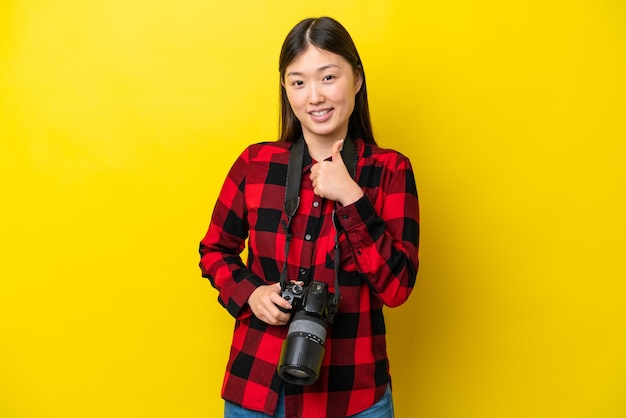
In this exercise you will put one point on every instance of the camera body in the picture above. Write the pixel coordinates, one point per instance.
(294, 294)
(314, 299)
(314, 308)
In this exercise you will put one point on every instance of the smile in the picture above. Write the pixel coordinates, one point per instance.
(320, 112)
(322, 116)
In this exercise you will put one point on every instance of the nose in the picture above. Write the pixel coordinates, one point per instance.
(315, 94)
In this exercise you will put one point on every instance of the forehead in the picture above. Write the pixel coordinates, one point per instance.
(314, 59)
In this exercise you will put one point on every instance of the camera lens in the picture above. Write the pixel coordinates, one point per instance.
(303, 350)
(298, 374)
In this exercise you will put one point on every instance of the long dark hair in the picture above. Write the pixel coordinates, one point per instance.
(327, 34)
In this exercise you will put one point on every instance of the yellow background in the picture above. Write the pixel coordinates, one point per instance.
(120, 119)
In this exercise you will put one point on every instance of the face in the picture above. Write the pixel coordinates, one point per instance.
(321, 87)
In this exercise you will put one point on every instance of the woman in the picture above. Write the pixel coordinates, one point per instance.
(373, 217)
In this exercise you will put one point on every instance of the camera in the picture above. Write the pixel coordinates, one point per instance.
(314, 308)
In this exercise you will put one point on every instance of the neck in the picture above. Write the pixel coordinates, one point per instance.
(320, 149)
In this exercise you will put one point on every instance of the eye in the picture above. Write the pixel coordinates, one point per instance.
(329, 77)
(297, 83)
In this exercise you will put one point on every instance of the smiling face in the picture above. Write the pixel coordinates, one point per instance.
(321, 87)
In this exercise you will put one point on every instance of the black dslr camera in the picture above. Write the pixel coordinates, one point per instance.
(314, 308)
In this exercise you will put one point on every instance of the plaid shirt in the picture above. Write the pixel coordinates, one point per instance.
(378, 266)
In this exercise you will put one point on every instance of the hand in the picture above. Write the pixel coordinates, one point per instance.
(332, 181)
(263, 302)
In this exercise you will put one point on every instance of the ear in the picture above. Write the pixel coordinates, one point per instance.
(358, 79)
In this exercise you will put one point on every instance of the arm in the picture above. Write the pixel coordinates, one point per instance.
(224, 241)
(384, 237)
(241, 292)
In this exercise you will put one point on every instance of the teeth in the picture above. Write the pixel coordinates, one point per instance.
(320, 113)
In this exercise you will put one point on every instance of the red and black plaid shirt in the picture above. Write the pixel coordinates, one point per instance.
(379, 260)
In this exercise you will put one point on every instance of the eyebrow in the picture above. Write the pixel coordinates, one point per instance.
(319, 70)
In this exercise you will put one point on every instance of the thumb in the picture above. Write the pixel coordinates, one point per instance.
(337, 147)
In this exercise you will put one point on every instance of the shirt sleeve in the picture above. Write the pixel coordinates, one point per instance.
(224, 241)
(384, 236)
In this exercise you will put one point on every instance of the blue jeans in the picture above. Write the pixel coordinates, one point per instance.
(381, 409)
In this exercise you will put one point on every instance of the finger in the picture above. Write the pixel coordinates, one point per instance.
(314, 170)
(275, 316)
(282, 318)
(279, 318)
(336, 153)
(278, 300)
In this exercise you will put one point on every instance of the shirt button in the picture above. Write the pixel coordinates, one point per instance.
(316, 204)
(307, 237)
(344, 217)
(302, 272)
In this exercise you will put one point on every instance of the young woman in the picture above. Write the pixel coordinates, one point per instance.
(355, 224)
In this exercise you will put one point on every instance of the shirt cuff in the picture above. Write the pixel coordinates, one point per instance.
(237, 305)
(355, 214)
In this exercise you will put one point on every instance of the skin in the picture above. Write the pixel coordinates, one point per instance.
(264, 302)
(321, 87)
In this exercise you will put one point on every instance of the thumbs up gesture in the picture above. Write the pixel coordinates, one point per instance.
(332, 181)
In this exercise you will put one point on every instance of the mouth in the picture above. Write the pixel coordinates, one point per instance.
(321, 115)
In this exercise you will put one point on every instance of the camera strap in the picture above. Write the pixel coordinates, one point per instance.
(292, 199)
